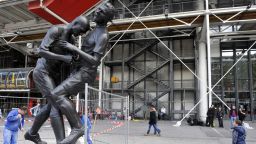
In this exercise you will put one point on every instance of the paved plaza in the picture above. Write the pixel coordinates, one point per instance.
(110, 132)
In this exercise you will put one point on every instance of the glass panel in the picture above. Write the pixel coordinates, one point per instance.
(253, 58)
(189, 100)
(16, 78)
(254, 105)
(177, 100)
(11, 80)
(216, 74)
(21, 80)
(242, 72)
(228, 62)
(3, 76)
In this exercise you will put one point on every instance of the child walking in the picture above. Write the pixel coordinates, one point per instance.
(239, 133)
(153, 121)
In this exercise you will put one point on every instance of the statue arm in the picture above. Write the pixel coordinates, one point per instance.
(95, 59)
(50, 55)
(98, 50)
(49, 40)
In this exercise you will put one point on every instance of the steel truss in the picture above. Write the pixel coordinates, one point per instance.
(185, 24)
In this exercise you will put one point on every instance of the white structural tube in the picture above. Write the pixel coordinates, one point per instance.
(208, 43)
(202, 73)
(51, 12)
(78, 95)
(100, 82)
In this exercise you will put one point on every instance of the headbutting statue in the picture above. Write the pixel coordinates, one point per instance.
(93, 48)
(47, 74)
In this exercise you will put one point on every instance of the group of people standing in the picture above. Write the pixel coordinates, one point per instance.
(218, 112)
(236, 122)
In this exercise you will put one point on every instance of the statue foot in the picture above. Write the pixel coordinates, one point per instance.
(73, 136)
(34, 138)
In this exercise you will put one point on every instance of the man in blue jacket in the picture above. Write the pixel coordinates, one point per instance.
(239, 133)
(89, 127)
(15, 121)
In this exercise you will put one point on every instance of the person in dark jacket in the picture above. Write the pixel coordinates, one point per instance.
(210, 115)
(153, 121)
(220, 117)
(239, 133)
(241, 115)
(15, 121)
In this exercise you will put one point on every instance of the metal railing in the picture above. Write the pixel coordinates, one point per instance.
(177, 84)
(229, 3)
(156, 8)
(184, 83)
(7, 103)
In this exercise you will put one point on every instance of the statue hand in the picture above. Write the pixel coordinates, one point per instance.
(67, 58)
(66, 45)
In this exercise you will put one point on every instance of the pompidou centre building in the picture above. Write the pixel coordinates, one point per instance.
(182, 54)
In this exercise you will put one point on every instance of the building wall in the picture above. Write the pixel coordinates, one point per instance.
(148, 89)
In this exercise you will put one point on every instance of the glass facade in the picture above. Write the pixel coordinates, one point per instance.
(237, 86)
(15, 78)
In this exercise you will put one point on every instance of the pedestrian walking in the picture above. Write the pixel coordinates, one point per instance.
(241, 114)
(36, 109)
(89, 126)
(210, 115)
(232, 116)
(239, 133)
(15, 121)
(153, 121)
(219, 116)
(163, 113)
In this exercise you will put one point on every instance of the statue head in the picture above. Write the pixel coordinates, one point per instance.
(80, 25)
(104, 14)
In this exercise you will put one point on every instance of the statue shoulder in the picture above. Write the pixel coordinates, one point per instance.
(56, 30)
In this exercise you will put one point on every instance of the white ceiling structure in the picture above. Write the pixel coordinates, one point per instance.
(16, 20)
(18, 25)
(15, 17)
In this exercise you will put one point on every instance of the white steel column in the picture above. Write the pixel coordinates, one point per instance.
(200, 4)
(207, 24)
(100, 82)
(86, 112)
(78, 96)
(202, 73)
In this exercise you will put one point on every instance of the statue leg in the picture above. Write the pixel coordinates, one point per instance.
(68, 109)
(41, 117)
(58, 96)
(57, 124)
(45, 84)
(72, 85)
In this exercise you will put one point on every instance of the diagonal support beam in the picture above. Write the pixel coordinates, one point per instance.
(153, 100)
(149, 45)
(147, 75)
(159, 82)
(233, 16)
(210, 89)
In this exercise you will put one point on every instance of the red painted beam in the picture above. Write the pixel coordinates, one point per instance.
(66, 9)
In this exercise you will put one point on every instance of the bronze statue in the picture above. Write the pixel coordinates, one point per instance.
(93, 48)
(47, 74)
